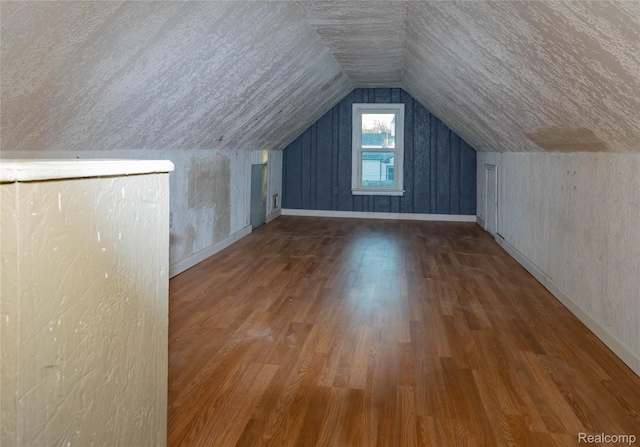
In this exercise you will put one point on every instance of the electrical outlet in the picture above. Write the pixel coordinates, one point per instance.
(170, 219)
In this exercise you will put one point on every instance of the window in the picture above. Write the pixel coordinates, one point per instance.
(378, 149)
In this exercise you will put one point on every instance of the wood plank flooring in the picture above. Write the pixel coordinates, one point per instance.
(345, 332)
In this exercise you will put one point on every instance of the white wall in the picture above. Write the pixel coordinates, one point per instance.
(574, 220)
(84, 310)
(210, 195)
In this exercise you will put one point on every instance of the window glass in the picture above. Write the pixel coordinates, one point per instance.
(378, 130)
(377, 169)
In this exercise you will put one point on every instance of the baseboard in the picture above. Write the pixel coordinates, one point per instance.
(618, 347)
(196, 258)
(480, 221)
(529, 266)
(387, 216)
(273, 215)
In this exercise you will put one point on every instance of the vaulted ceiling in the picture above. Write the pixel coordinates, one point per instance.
(506, 76)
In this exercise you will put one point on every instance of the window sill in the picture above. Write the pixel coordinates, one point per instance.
(373, 192)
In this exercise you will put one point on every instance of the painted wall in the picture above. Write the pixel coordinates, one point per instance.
(575, 217)
(84, 311)
(209, 193)
(439, 170)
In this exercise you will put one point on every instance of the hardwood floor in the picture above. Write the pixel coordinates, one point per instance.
(344, 332)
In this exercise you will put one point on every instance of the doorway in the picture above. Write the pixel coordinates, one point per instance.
(491, 198)
(258, 210)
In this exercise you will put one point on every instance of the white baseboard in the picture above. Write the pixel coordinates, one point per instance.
(618, 347)
(388, 216)
(196, 258)
(273, 215)
(480, 221)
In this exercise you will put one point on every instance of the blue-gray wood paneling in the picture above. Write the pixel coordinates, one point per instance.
(439, 166)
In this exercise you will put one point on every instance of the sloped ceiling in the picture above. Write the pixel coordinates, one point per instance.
(532, 75)
(161, 75)
(506, 76)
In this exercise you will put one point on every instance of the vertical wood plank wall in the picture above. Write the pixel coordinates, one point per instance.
(439, 166)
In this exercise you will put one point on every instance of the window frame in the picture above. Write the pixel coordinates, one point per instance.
(357, 188)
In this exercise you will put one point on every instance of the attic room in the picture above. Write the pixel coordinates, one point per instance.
(331, 223)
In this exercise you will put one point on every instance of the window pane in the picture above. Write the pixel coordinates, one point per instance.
(378, 130)
(378, 169)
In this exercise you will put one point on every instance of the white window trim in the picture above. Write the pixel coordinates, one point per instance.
(356, 144)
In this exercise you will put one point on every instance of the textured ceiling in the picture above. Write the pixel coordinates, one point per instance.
(161, 75)
(527, 76)
(506, 76)
(367, 38)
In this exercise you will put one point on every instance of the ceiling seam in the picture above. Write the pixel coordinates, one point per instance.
(304, 17)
